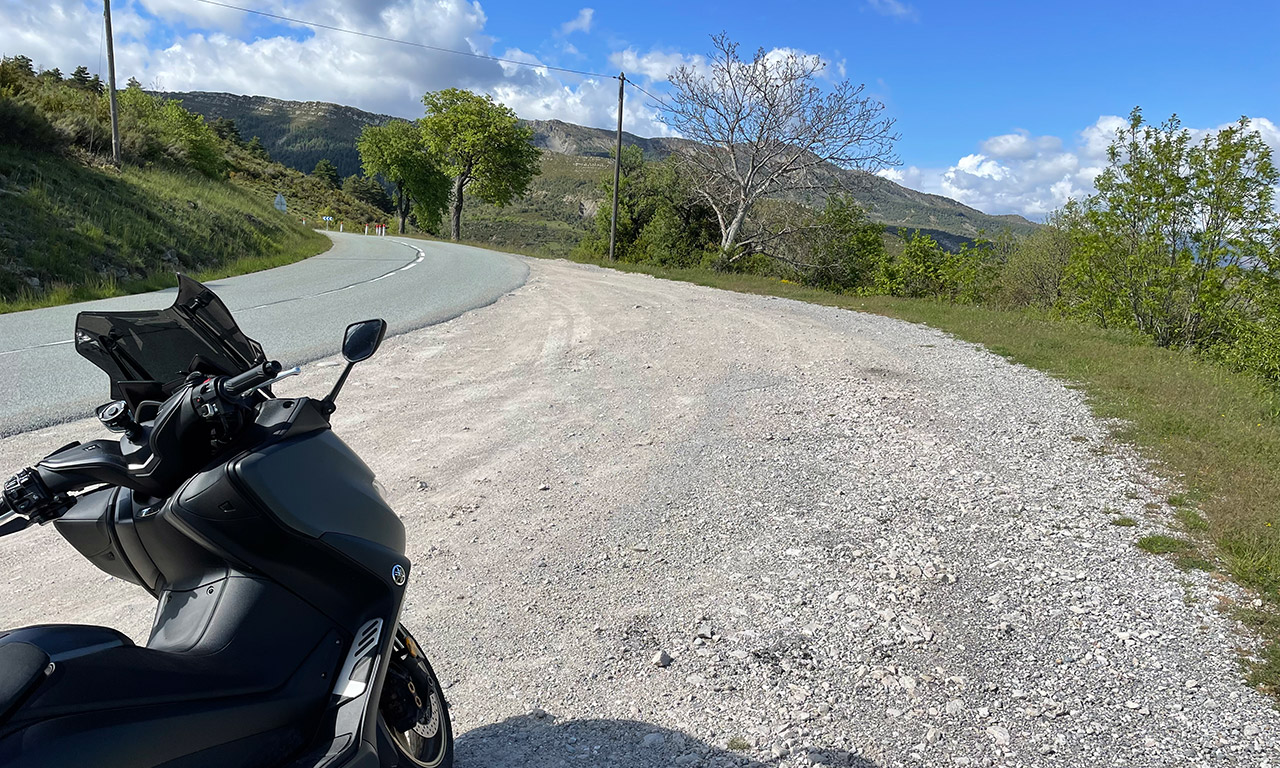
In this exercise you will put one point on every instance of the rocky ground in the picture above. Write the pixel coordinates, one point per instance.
(656, 524)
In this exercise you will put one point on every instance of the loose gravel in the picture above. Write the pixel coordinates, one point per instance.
(657, 524)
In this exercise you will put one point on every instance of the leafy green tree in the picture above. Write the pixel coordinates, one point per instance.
(969, 275)
(51, 75)
(917, 272)
(660, 218)
(481, 145)
(395, 152)
(369, 191)
(328, 173)
(844, 248)
(1180, 241)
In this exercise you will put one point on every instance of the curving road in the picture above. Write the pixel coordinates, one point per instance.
(298, 313)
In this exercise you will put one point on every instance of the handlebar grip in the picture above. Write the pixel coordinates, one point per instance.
(238, 385)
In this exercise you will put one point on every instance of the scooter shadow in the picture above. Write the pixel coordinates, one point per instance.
(546, 742)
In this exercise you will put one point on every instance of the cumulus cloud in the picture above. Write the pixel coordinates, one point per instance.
(894, 9)
(654, 65)
(203, 15)
(580, 23)
(172, 44)
(1034, 175)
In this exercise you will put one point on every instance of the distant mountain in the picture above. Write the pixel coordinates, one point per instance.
(579, 140)
(300, 133)
(296, 133)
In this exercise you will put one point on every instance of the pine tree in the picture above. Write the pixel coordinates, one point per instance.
(328, 173)
(80, 78)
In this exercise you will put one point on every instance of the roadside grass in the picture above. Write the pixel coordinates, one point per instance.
(1214, 432)
(92, 232)
(1159, 544)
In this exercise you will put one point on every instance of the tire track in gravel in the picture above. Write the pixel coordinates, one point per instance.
(862, 541)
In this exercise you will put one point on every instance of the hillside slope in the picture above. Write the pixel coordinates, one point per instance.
(299, 134)
(296, 133)
(72, 231)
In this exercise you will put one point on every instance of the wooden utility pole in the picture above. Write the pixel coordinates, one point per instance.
(617, 166)
(111, 85)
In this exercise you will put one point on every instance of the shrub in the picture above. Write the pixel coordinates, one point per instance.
(845, 248)
(23, 125)
(1035, 273)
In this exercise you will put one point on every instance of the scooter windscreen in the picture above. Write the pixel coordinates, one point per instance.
(159, 348)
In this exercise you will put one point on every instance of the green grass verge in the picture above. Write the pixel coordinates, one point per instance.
(1215, 432)
(90, 233)
(1159, 544)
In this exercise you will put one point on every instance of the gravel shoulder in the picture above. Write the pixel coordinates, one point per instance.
(859, 541)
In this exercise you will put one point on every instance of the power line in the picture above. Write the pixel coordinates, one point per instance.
(664, 104)
(384, 39)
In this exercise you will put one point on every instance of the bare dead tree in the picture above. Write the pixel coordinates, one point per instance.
(764, 128)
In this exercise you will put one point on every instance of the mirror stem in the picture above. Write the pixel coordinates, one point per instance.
(329, 400)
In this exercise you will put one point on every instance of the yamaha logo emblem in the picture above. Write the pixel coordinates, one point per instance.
(398, 575)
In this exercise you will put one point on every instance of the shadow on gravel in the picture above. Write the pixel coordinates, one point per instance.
(547, 743)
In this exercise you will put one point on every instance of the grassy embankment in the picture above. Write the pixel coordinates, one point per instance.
(93, 232)
(1215, 433)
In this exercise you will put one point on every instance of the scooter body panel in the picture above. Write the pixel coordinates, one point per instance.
(278, 567)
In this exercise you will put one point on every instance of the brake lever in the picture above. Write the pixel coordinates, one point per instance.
(12, 522)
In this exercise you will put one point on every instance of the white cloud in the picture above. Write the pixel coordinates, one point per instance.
(203, 15)
(581, 23)
(654, 65)
(658, 65)
(1034, 175)
(212, 53)
(895, 9)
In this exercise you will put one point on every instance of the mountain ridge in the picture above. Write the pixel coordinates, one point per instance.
(300, 133)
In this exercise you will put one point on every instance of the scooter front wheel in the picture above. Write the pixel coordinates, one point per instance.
(413, 714)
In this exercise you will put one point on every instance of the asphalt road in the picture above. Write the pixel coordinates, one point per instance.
(298, 312)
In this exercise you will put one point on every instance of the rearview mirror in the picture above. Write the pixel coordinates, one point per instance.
(363, 339)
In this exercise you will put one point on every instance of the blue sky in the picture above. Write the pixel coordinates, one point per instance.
(1005, 106)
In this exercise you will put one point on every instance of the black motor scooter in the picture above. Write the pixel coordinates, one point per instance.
(278, 566)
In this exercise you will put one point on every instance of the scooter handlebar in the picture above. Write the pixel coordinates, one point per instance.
(254, 377)
(10, 521)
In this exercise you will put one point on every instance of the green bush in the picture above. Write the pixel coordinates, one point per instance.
(79, 129)
(660, 220)
(22, 125)
(845, 248)
(1180, 241)
(1035, 273)
(916, 272)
